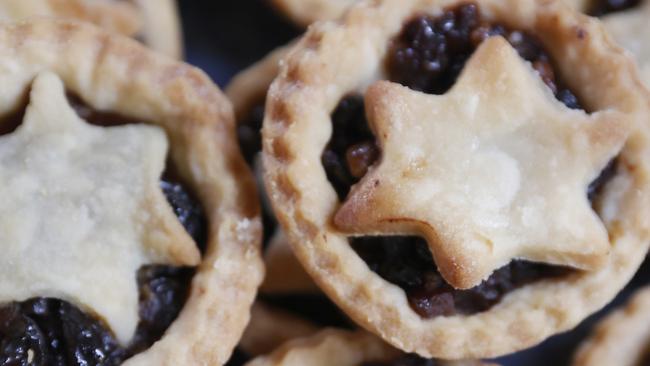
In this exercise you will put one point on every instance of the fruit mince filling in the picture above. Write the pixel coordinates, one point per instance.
(604, 7)
(428, 56)
(53, 332)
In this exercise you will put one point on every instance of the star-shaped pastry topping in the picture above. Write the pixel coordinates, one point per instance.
(493, 170)
(631, 29)
(81, 210)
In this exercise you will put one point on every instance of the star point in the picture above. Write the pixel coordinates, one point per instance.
(494, 170)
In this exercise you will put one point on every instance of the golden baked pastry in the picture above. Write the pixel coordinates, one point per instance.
(113, 244)
(493, 199)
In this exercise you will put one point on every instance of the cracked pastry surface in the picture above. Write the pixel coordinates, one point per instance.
(622, 338)
(317, 77)
(114, 76)
(155, 22)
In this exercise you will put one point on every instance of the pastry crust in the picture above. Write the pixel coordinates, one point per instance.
(337, 347)
(620, 339)
(249, 87)
(305, 12)
(155, 22)
(113, 73)
(333, 60)
(284, 274)
(329, 347)
(630, 29)
(269, 328)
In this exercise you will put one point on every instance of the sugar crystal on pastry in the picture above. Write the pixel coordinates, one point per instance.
(83, 210)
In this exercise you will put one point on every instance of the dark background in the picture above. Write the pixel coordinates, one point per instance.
(223, 37)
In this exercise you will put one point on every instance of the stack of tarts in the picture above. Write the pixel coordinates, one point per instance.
(438, 182)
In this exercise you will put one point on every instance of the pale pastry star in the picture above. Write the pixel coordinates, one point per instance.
(631, 29)
(496, 169)
(81, 210)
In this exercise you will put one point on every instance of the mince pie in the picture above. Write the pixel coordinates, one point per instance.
(345, 348)
(627, 22)
(463, 179)
(154, 22)
(115, 251)
(305, 12)
(622, 339)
